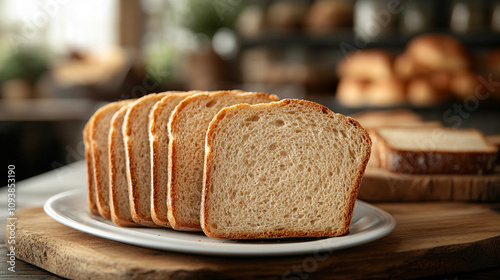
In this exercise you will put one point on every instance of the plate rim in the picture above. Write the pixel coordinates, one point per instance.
(122, 234)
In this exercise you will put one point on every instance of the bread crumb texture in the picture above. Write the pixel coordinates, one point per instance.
(283, 169)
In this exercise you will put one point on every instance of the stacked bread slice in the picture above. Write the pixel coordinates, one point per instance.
(184, 159)
(404, 143)
(427, 150)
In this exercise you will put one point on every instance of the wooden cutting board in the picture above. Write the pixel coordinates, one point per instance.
(429, 239)
(379, 185)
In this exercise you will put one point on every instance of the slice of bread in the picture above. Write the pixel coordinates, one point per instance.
(99, 135)
(137, 149)
(119, 202)
(283, 169)
(380, 118)
(158, 139)
(371, 120)
(495, 140)
(187, 128)
(423, 150)
(91, 191)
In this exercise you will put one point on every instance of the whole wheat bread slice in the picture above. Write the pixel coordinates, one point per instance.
(137, 149)
(158, 139)
(283, 169)
(434, 150)
(187, 128)
(119, 202)
(99, 135)
(91, 190)
(495, 140)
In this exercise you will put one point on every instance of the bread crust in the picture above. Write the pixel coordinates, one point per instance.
(101, 176)
(91, 190)
(117, 216)
(174, 189)
(132, 166)
(159, 192)
(434, 162)
(205, 202)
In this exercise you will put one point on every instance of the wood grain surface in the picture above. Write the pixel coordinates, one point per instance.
(382, 186)
(429, 239)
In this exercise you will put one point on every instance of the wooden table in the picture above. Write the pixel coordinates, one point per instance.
(33, 192)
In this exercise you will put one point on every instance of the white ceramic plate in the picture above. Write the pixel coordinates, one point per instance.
(70, 208)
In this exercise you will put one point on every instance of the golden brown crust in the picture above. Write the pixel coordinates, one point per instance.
(117, 215)
(173, 170)
(434, 162)
(91, 191)
(134, 191)
(205, 210)
(159, 193)
(101, 179)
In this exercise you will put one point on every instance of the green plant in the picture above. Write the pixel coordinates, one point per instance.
(28, 64)
(206, 17)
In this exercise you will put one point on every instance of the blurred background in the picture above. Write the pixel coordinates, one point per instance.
(61, 59)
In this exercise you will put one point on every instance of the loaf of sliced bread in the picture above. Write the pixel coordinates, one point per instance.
(91, 191)
(158, 139)
(119, 202)
(137, 150)
(99, 135)
(187, 129)
(283, 169)
(423, 150)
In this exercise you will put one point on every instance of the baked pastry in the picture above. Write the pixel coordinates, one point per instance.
(136, 139)
(187, 128)
(282, 169)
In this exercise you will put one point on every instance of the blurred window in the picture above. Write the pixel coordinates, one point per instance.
(59, 24)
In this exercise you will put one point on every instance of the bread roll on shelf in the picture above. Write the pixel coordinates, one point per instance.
(464, 84)
(404, 67)
(386, 93)
(439, 52)
(351, 92)
(325, 16)
(422, 93)
(440, 80)
(285, 16)
(367, 64)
